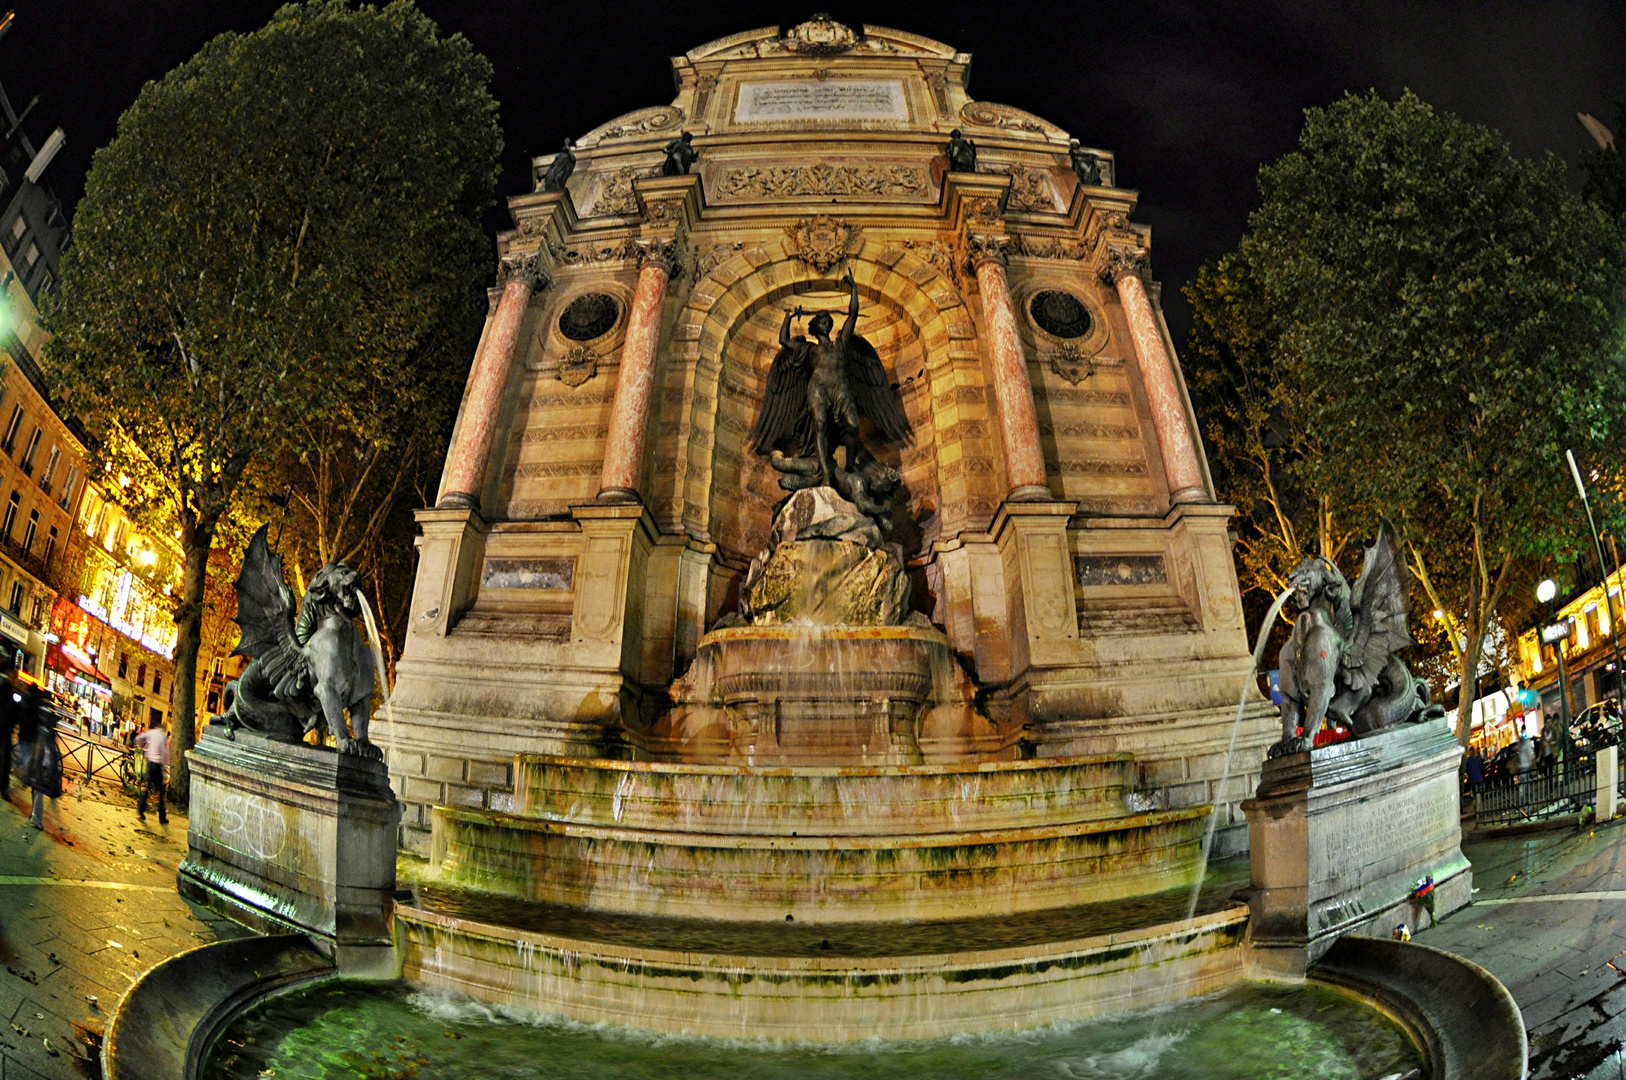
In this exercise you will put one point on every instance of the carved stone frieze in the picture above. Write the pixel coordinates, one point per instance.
(937, 254)
(615, 194)
(1050, 247)
(982, 211)
(1010, 118)
(1112, 221)
(822, 241)
(793, 181)
(1029, 190)
(621, 250)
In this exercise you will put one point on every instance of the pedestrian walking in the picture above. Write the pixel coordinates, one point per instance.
(8, 722)
(38, 724)
(155, 745)
(1475, 767)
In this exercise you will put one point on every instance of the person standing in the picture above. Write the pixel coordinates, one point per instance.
(155, 745)
(8, 721)
(44, 771)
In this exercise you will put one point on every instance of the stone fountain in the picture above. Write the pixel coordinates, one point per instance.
(769, 680)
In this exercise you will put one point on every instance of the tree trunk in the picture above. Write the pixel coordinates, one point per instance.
(1468, 685)
(196, 543)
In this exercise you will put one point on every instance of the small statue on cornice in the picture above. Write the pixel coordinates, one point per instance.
(680, 154)
(1086, 166)
(962, 152)
(559, 169)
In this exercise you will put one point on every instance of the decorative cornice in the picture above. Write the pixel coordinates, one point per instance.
(1120, 261)
(524, 266)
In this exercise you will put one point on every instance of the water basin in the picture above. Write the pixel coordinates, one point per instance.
(1254, 1031)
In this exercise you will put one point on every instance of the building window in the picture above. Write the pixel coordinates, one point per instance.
(141, 675)
(19, 229)
(28, 455)
(12, 425)
(50, 545)
(29, 531)
(67, 486)
(157, 682)
(32, 255)
(214, 701)
(11, 516)
(39, 610)
(156, 716)
(50, 469)
(124, 665)
(16, 604)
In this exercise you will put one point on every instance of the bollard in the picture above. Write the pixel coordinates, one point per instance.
(1608, 802)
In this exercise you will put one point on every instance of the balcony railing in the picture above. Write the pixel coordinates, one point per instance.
(30, 561)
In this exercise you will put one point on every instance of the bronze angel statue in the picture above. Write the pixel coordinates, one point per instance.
(1340, 661)
(306, 667)
(819, 389)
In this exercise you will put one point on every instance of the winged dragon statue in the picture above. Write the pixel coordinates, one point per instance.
(819, 391)
(308, 665)
(1340, 660)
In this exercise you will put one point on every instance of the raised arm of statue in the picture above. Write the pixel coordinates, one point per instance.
(784, 328)
(849, 327)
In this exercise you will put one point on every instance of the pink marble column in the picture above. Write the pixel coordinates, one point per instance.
(1180, 465)
(488, 382)
(629, 413)
(1013, 392)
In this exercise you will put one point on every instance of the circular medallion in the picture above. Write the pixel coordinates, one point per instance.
(1060, 314)
(586, 317)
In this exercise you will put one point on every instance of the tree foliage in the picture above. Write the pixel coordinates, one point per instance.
(280, 232)
(1439, 322)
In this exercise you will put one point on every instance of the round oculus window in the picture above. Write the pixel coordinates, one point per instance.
(586, 317)
(1060, 314)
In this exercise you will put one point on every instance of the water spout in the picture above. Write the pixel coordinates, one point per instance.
(1236, 725)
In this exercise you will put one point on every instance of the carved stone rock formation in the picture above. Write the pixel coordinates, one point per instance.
(829, 583)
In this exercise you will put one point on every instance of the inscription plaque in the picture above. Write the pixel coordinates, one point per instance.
(551, 574)
(830, 99)
(1121, 570)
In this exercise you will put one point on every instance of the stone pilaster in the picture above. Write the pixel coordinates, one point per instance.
(629, 412)
(1123, 267)
(488, 382)
(1013, 392)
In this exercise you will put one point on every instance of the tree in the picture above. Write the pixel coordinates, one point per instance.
(278, 220)
(1444, 320)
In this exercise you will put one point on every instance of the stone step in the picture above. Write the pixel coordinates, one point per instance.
(817, 878)
(903, 800)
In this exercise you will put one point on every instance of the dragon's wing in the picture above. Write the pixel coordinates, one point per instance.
(1379, 605)
(265, 618)
(872, 393)
(784, 416)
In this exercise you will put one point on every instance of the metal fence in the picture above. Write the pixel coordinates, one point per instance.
(89, 759)
(1565, 787)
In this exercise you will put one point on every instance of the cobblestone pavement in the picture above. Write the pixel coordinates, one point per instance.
(86, 906)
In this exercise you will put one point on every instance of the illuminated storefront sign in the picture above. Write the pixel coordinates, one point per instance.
(129, 605)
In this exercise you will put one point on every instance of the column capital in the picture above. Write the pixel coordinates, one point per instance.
(664, 252)
(523, 266)
(983, 248)
(1120, 260)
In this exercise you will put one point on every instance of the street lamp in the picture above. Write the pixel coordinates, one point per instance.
(1608, 605)
(1554, 634)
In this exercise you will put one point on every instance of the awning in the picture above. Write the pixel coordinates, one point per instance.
(63, 660)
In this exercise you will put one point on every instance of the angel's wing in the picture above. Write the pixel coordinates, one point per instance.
(1379, 605)
(265, 619)
(784, 417)
(872, 393)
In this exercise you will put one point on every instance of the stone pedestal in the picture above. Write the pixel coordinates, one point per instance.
(1340, 836)
(294, 837)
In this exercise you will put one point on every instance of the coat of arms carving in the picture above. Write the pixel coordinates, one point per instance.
(821, 241)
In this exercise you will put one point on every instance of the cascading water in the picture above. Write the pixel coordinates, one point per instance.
(1230, 749)
(379, 669)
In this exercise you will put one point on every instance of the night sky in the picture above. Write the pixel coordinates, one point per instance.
(1191, 97)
